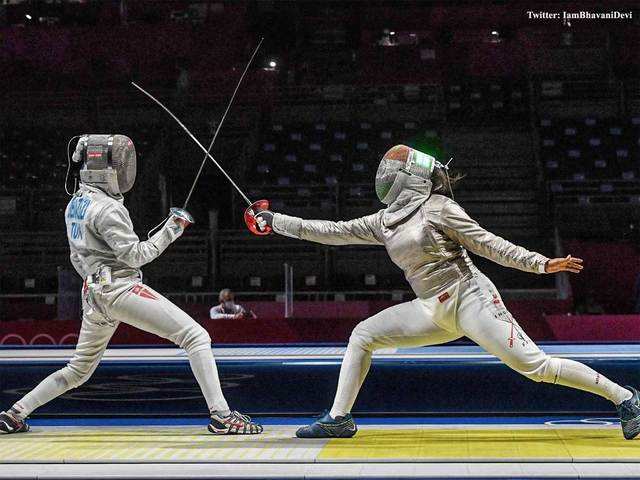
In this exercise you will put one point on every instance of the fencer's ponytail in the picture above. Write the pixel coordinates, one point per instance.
(444, 182)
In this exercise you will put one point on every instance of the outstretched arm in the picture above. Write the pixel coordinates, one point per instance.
(461, 228)
(363, 230)
(116, 228)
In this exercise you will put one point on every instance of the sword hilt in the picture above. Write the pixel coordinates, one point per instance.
(182, 214)
(250, 218)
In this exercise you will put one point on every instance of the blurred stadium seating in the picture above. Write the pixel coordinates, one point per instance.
(544, 121)
(587, 149)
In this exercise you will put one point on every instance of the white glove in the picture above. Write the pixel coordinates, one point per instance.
(264, 219)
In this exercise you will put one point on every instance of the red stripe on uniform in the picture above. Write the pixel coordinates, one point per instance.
(143, 292)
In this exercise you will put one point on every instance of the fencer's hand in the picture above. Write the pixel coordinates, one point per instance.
(238, 316)
(566, 264)
(182, 222)
(264, 218)
(181, 217)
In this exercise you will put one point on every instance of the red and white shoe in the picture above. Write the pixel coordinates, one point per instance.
(11, 424)
(233, 424)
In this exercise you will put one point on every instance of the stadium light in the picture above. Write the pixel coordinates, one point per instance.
(272, 63)
(29, 17)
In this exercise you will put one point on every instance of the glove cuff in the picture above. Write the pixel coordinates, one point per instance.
(286, 225)
(174, 227)
(542, 264)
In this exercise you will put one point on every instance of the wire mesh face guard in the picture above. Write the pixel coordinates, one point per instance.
(109, 161)
(395, 164)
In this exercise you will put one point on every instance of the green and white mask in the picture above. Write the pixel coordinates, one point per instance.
(396, 166)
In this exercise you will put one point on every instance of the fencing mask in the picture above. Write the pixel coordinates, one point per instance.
(109, 162)
(397, 166)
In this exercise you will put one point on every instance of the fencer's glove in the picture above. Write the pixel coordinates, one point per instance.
(181, 217)
(264, 219)
(180, 221)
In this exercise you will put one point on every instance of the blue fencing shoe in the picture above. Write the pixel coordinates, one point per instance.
(629, 412)
(329, 427)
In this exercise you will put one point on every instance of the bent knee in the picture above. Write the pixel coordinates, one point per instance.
(72, 377)
(194, 338)
(361, 337)
(547, 370)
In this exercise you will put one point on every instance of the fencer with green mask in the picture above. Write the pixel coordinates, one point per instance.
(427, 235)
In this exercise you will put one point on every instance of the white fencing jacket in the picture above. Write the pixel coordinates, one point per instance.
(100, 233)
(425, 234)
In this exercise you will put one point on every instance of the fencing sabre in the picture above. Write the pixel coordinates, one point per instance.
(215, 135)
(253, 207)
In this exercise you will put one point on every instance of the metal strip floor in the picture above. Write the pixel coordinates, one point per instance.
(318, 353)
(397, 443)
(288, 471)
(526, 448)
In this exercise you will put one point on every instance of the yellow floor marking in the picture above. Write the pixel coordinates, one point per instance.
(563, 444)
(192, 444)
(150, 444)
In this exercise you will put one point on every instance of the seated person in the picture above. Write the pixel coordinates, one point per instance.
(228, 308)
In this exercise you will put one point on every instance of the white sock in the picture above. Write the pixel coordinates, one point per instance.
(221, 413)
(51, 387)
(626, 397)
(205, 370)
(355, 366)
(16, 413)
(577, 375)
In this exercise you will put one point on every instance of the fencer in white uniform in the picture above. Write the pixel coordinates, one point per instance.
(427, 234)
(107, 254)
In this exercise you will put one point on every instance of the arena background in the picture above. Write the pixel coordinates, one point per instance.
(542, 116)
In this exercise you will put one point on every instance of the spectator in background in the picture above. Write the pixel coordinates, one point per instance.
(229, 309)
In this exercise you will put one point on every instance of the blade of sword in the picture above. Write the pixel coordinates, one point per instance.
(215, 135)
(246, 199)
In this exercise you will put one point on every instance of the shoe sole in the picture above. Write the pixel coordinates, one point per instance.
(216, 431)
(326, 436)
(631, 435)
(350, 434)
